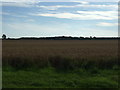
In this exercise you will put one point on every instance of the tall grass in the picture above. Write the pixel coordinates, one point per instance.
(62, 55)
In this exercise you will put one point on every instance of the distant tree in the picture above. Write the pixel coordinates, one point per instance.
(81, 37)
(94, 37)
(90, 37)
(4, 36)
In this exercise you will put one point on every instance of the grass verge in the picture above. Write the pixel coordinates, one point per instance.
(52, 78)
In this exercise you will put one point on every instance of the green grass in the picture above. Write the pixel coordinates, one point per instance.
(52, 78)
(61, 72)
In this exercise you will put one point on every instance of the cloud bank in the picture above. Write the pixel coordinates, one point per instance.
(83, 15)
(106, 24)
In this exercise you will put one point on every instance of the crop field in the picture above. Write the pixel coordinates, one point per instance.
(60, 63)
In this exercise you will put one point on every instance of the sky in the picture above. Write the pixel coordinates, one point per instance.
(41, 18)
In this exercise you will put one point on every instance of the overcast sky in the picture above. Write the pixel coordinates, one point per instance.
(51, 18)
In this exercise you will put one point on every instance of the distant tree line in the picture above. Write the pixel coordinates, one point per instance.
(60, 38)
(70, 38)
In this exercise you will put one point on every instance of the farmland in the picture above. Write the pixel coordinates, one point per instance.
(60, 63)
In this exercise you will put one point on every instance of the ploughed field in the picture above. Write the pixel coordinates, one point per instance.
(60, 63)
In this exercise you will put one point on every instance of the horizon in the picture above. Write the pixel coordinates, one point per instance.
(55, 37)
